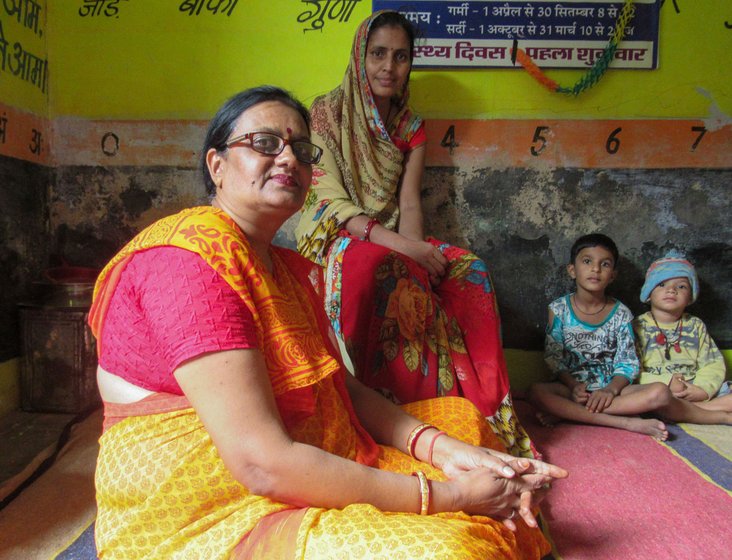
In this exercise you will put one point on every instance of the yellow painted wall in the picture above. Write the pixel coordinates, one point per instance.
(154, 62)
(14, 90)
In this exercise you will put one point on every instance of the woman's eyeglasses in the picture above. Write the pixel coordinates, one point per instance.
(271, 144)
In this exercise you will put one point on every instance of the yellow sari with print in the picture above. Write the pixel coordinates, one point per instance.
(163, 491)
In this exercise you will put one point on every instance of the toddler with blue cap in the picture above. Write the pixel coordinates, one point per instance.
(673, 265)
(674, 346)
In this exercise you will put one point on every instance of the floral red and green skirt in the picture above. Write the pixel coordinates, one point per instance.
(412, 341)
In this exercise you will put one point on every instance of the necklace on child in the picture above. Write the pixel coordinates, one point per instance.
(661, 337)
(604, 305)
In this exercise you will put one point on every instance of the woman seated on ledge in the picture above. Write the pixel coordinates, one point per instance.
(418, 316)
(231, 429)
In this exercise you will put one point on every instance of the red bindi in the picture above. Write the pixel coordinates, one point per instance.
(289, 130)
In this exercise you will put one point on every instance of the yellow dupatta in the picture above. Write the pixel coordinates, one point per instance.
(361, 166)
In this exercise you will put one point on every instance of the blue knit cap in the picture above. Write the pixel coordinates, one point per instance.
(672, 265)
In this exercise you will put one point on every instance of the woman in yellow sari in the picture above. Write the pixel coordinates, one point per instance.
(231, 429)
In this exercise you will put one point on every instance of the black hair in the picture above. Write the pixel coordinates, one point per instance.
(222, 125)
(594, 240)
(395, 19)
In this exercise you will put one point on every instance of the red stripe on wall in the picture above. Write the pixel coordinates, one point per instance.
(500, 143)
(633, 144)
(24, 135)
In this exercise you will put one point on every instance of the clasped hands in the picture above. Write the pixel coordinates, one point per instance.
(488, 482)
(594, 401)
(428, 257)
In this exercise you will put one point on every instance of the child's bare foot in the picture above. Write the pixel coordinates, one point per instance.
(650, 426)
(546, 419)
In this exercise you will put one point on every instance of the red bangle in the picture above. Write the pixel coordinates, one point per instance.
(432, 448)
(367, 230)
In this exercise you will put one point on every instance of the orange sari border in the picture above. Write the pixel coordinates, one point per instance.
(157, 403)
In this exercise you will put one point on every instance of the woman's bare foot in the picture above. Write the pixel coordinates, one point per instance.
(650, 426)
(546, 419)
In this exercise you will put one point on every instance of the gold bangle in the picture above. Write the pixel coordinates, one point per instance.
(414, 435)
(424, 492)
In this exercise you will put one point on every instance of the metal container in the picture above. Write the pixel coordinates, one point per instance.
(63, 294)
(59, 360)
